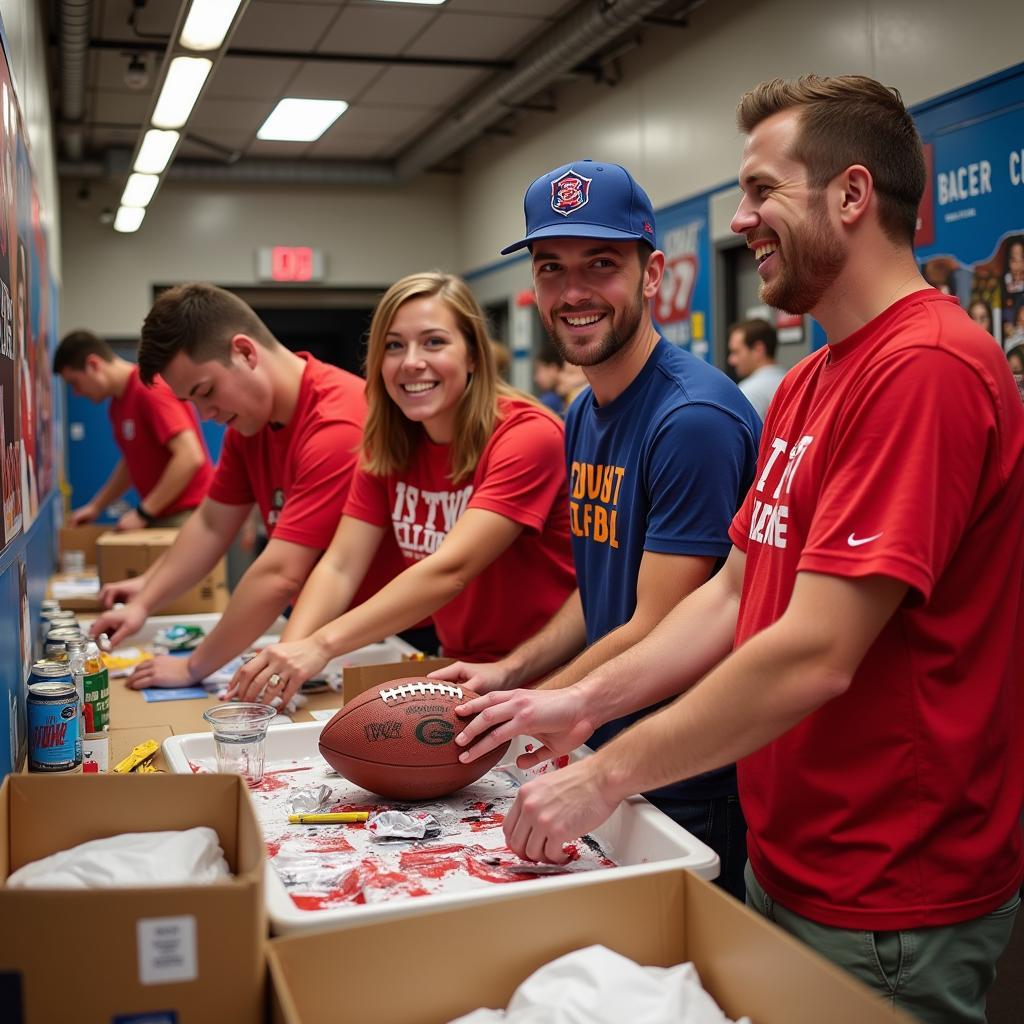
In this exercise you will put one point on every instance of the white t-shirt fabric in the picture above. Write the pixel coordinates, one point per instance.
(760, 386)
(598, 986)
(192, 857)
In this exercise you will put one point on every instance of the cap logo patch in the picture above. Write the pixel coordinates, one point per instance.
(570, 192)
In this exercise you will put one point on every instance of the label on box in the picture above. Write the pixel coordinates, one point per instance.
(167, 949)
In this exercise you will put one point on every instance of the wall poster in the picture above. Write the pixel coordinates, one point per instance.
(682, 307)
(970, 238)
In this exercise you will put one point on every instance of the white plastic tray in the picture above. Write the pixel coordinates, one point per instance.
(638, 837)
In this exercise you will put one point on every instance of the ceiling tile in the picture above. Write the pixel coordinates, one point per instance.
(123, 107)
(154, 19)
(433, 87)
(251, 78)
(277, 150)
(376, 28)
(481, 36)
(536, 8)
(241, 115)
(282, 26)
(318, 80)
(347, 147)
(367, 120)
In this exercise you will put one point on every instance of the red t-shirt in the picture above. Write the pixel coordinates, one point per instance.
(897, 452)
(144, 420)
(299, 474)
(520, 475)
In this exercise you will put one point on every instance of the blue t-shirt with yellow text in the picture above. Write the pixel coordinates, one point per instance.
(662, 468)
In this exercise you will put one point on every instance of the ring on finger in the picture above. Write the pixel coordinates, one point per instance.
(274, 680)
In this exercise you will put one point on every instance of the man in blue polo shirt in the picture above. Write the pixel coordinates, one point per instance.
(660, 451)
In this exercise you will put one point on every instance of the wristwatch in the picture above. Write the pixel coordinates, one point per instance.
(149, 518)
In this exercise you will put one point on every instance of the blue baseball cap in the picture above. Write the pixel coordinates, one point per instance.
(586, 199)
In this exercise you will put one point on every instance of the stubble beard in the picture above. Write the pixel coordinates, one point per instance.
(615, 338)
(813, 259)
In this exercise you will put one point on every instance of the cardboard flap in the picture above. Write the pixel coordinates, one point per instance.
(361, 677)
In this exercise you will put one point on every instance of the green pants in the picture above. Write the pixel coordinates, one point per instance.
(939, 975)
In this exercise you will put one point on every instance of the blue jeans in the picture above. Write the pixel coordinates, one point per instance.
(720, 824)
(940, 975)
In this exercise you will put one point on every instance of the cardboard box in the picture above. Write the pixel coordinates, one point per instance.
(121, 556)
(187, 954)
(435, 968)
(358, 678)
(83, 539)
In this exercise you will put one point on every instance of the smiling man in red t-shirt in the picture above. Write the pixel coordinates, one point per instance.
(859, 654)
(163, 455)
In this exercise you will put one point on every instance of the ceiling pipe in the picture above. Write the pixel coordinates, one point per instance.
(586, 32)
(75, 22)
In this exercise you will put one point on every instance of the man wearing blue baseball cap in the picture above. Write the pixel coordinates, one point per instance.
(660, 451)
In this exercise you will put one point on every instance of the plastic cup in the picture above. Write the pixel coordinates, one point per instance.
(240, 739)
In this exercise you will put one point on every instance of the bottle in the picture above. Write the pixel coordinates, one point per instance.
(75, 647)
(97, 690)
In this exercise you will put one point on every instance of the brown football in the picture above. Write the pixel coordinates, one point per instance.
(398, 740)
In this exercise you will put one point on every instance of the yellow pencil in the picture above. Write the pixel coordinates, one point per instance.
(341, 817)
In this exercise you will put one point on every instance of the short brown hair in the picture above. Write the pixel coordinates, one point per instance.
(76, 347)
(846, 120)
(197, 319)
(757, 330)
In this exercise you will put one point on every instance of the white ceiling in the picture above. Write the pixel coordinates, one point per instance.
(391, 102)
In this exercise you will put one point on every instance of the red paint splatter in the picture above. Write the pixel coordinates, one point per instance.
(195, 767)
(571, 850)
(273, 848)
(327, 842)
(561, 761)
(270, 784)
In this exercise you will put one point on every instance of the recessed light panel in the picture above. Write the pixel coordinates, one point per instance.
(295, 120)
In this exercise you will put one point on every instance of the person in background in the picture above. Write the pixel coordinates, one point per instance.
(547, 365)
(464, 472)
(752, 345)
(660, 450)
(571, 381)
(981, 313)
(1015, 357)
(1013, 278)
(502, 359)
(163, 455)
(860, 652)
(294, 428)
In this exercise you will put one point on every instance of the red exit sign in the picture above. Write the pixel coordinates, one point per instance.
(290, 264)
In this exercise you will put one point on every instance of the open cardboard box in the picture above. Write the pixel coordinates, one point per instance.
(359, 678)
(422, 970)
(124, 555)
(187, 954)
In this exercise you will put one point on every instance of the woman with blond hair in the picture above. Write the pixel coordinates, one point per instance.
(467, 473)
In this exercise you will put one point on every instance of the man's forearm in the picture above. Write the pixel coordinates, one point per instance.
(696, 635)
(610, 646)
(553, 645)
(173, 480)
(194, 553)
(257, 601)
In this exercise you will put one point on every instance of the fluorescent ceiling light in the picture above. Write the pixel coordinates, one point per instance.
(295, 120)
(184, 82)
(425, 3)
(155, 151)
(128, 219)
(140, 189)
(207, 23)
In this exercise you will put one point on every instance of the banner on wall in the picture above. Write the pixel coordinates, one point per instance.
(682, 307)
(970, 239)
(27, 329)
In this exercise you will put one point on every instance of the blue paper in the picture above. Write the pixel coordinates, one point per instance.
(155, 694)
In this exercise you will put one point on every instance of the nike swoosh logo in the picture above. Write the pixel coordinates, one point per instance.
(855, 542)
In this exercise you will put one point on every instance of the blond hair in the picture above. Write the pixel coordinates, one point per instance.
(389, 438)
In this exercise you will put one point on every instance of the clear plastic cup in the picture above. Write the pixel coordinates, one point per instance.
(240, 739)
